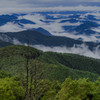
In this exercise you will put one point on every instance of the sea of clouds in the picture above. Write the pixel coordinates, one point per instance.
(76, 49)
(54, 27)
(82, 49)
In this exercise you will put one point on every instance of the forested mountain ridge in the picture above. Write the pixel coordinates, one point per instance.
(50, 50)
(56, 76)
(12, 59)
(37, 38)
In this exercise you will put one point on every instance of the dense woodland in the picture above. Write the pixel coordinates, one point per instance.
(30, 74)
(11, 88)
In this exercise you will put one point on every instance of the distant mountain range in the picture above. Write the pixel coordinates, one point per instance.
(4, 19)
(83, 26)
(66, 32)
(37, 38)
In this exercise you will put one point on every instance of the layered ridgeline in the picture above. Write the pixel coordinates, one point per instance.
(38, 38)
(80, 25)
(57, 66)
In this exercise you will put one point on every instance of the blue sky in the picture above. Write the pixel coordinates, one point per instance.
(28, 5)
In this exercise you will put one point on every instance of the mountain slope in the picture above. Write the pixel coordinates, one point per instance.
(73, 61)
(57, 66)
(37, 38)
(43, 31)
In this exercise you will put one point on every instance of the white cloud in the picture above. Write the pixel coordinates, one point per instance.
(26, 6)
(10, 27)
(35, 18)
(83, 36)
(54, 27)
(96, 29)
(76, 49)
(43, 9)
(16, 42)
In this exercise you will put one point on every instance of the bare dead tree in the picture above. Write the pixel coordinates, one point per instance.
(36, 78)
(27, 56)
(34, 75)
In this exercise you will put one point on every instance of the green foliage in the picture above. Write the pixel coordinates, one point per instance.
(97, 89)
(81, 89)
(12, 58)
(52, 91)
(65, 65)
(3, 74)
(57, 66)
(73, 61)
(10, 89)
